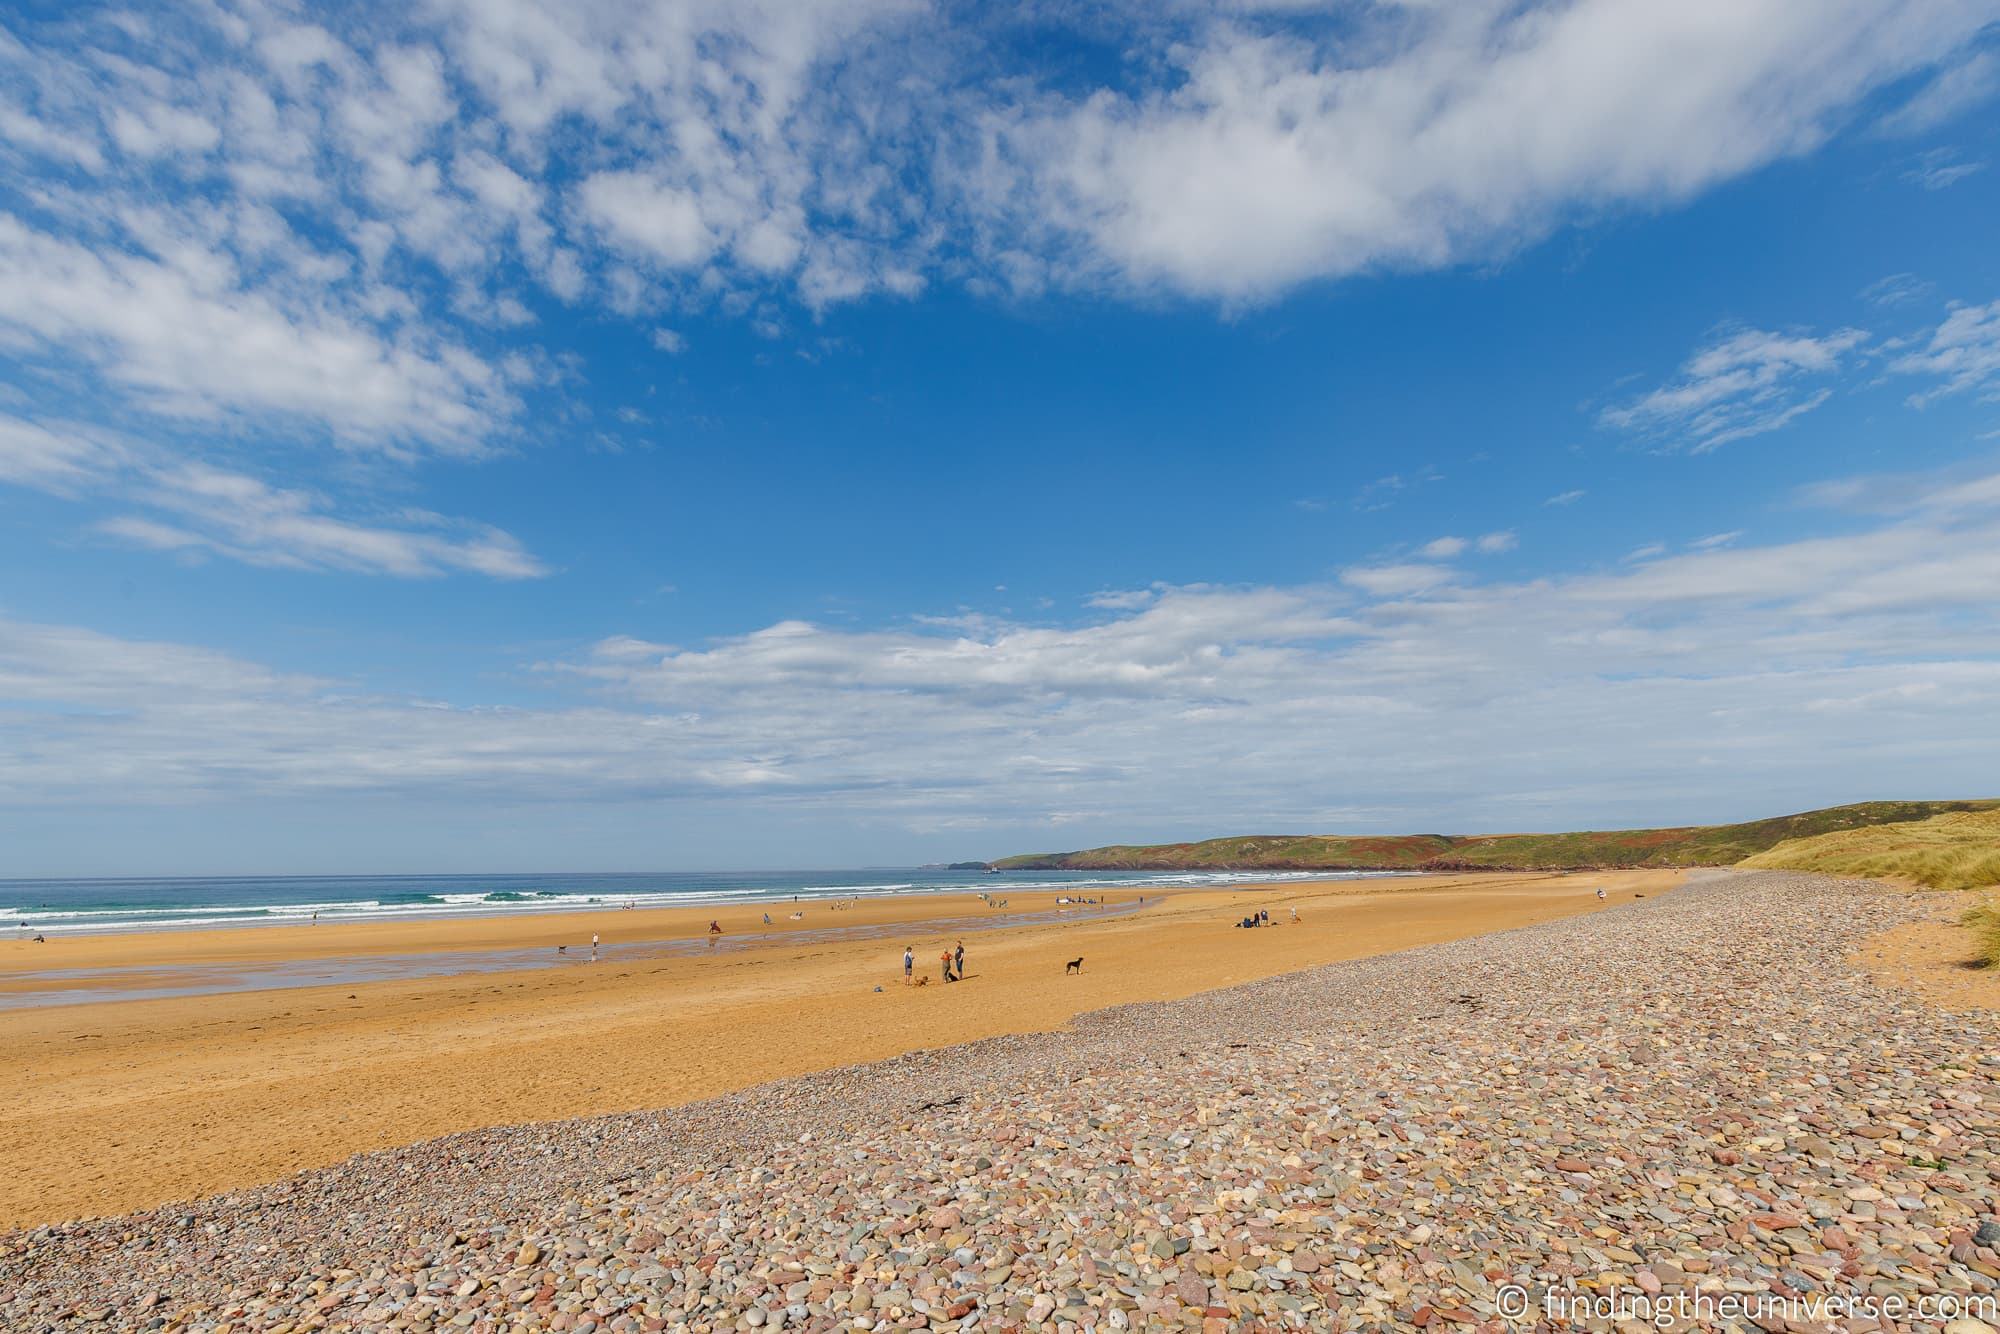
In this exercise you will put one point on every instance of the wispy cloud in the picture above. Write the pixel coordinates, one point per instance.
(1744, 383)
(1940, 169)
(1896, 289)
(1566, 497)
(197, 509)
(245, 519)
(1200, 705)
(1964, 352)
(1955, 89)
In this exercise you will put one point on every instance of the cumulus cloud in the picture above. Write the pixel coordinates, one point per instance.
(1707, 677)
(339, 227)
(1744, 383)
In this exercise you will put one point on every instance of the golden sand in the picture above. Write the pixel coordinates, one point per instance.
(115, 1106)
(1939, 959)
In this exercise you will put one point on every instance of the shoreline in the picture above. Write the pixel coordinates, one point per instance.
(562, 895)
(1276, 1147)
(171, 1099)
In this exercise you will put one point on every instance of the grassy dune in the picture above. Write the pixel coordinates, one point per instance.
(1984, 922)
(1694, 845)
(1956, 851)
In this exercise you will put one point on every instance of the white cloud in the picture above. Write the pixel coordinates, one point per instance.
(670, 342)
(1565, 497)
(197, 508)
(1701, 678)
(1895, 289)
(1115, 599)
(1964, 352)
(248, 520)
(181, 332)
(1427, 135)
(1395, 580)
(60, 459)
(1940, 169)
(1443, 548)
(1954, 90)
(1742, 384)
(649, 216)
(1493, 544)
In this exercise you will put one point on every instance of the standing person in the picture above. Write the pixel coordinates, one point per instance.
(593, 947)
(909, 964)
(958, 961)
(1295, 913)
(945, 959)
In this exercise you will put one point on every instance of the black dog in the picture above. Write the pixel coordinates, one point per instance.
(1074, 966)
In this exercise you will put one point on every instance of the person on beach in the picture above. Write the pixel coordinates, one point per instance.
(1295, 914)
(593, 947)
(909, 964)
(767, 919)
(714, 927)
(958, 960)
(945, 959)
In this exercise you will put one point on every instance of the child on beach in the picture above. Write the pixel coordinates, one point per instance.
(945, 959)
(909, 963)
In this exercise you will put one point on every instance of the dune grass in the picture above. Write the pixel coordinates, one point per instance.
(1984, 923)
(1693, 845)
(1955, 851)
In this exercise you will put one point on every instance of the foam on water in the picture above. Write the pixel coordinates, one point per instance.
(71, 907)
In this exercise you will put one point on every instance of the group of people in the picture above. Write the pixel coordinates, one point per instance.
(1262, 917)
(951, 962)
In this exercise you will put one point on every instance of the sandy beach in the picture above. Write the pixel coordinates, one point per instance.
(117, 1106)
(1689, 1098)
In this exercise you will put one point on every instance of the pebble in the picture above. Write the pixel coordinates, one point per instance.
(1692, 1091)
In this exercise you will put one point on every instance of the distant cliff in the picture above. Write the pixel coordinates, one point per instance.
(1692, 845)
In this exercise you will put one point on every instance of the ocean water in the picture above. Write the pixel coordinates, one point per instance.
(68, 907)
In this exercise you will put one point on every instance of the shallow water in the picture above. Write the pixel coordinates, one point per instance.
(72, 907)
(83, 986)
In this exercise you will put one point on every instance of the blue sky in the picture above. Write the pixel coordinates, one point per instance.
(626, 435)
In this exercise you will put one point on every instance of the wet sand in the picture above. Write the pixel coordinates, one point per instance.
(120, 1105)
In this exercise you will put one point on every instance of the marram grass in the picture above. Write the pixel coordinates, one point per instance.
(1956, 851)
(1984, 923)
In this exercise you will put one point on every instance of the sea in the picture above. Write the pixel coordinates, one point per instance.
(70, 907)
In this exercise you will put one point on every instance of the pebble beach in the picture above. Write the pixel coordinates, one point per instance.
(1694, 1093)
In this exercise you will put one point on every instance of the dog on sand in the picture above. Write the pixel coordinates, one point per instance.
(1073, 966)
